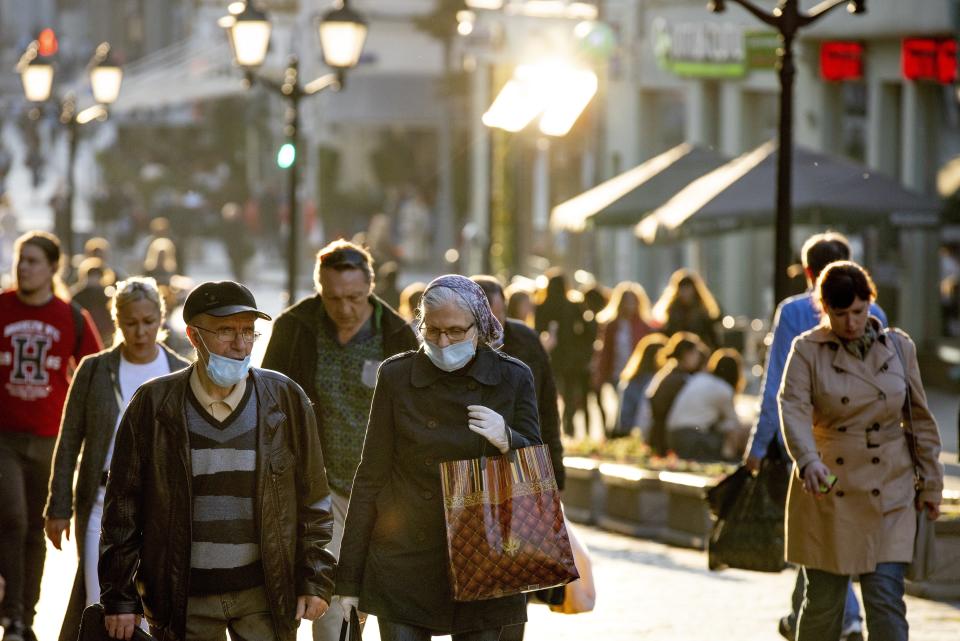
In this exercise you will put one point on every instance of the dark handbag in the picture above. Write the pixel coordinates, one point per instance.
(720, 497)
(748, 512)
(924, 560)
(505, 528)
(92, 628)
(352, 626)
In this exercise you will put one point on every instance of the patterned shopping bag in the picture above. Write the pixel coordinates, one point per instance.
(505, 527)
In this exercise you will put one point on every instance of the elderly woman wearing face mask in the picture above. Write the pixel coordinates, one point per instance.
(98, 395)
(454, 398)
(852, 505)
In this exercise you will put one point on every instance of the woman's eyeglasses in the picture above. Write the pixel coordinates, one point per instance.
(454, 334)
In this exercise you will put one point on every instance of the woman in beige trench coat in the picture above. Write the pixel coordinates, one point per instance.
(841, 403)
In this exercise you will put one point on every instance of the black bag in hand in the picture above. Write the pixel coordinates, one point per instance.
(355, 633)
(92, 628)
(720, 497)
(748, 525)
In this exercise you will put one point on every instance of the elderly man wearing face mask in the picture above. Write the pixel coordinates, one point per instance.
(217, 501)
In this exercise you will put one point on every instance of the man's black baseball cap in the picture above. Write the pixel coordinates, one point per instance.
(220, 298)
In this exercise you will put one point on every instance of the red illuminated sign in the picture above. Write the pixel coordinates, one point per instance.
(47, 42)
(933, 59)
(841, 61)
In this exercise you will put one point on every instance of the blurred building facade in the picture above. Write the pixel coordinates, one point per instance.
(683, 74)
(385, 139)
(136, 31)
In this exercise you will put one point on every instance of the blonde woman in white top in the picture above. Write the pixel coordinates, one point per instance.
(99, 393)
(702, 423)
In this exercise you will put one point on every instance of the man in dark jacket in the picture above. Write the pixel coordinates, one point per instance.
(332, 344)
(523, 344)
(217, 512)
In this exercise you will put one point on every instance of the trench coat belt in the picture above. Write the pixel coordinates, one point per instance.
(874, 433)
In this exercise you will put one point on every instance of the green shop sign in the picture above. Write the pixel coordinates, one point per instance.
(711, 49)
(762, 50)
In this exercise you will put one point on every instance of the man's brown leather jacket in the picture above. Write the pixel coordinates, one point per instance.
(146, 535)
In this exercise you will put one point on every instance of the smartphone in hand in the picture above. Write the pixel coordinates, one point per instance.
(831, 481)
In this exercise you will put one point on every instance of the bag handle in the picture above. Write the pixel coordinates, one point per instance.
(353, 623)
(907, 411)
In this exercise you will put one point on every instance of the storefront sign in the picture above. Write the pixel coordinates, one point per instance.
(700, 49)
(841, 61)
(712, 49)
(762, 47)
(931, 59)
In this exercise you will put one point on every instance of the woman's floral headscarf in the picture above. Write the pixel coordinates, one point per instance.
(489, 330)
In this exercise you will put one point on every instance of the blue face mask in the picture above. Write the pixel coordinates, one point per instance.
(226, 372)
(452, 357)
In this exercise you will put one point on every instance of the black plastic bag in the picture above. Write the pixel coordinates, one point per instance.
(350, 629)
(721, 496)
(748, 519)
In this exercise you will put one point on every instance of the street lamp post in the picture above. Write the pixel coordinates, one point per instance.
(342, 35)
(787, 19)
(105, 77)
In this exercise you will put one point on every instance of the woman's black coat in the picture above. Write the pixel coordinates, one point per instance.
(394, 554)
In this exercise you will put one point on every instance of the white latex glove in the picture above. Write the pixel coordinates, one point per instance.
(348, 602)
(488, 424)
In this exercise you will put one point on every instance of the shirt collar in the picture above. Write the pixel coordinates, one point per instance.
(232, 399)
(484, 368)
(823, 334)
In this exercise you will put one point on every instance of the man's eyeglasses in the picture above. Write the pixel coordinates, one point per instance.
(229, 334)
(455, 334)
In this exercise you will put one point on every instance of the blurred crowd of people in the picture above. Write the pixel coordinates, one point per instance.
(600, 339)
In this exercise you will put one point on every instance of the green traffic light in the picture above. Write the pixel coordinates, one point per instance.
(286, 156)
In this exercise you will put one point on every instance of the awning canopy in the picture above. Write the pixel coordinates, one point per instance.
(827, 190)
(625, 199)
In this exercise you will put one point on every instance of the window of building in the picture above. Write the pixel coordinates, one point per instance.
(762, 117)
(664, 120)
(853, 129)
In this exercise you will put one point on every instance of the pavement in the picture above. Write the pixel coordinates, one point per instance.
(645, 590)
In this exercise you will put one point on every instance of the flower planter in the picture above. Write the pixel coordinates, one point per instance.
(583, 491)
(687, 515)
(634, 503)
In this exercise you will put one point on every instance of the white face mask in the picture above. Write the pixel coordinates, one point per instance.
(452, 357)
(223, 371)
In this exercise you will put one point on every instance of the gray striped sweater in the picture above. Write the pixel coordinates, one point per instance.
(225, 551)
